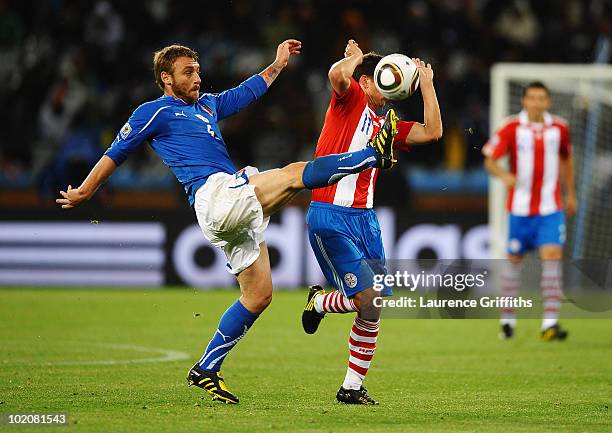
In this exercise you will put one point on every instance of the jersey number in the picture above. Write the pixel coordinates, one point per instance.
(367, 122)
(205, 120)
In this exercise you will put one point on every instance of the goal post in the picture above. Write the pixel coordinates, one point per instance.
(582, 94)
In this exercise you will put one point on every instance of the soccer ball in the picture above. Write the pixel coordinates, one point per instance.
(396, 76)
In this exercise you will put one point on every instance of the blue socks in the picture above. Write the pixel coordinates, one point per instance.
(327, 170)
(233, 325)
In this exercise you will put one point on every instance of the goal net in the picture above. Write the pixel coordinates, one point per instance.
(582, 94)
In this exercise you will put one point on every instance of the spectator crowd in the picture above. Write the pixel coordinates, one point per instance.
(72, 71)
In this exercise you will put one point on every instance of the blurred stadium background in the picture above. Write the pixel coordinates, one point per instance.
(72, 72)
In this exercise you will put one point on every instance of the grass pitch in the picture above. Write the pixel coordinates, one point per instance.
(96, 355)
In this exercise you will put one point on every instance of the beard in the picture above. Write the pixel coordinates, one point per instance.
(185, 93)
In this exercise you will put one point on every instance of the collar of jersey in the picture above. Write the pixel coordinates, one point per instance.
(524, 120)
(174, 99)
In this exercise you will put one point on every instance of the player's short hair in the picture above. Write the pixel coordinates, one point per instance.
(163, 60)
(535, 85)
(367, 66)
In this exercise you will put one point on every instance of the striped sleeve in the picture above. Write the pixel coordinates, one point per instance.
(142, 125)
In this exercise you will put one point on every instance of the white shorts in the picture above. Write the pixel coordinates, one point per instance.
(231, 217)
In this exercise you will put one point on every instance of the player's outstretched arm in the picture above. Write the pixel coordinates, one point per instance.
(97, 176)
(431, 129)
(285, 50)
(341, 72)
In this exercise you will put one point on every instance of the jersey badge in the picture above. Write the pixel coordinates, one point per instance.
(125, 131)
(350, 279)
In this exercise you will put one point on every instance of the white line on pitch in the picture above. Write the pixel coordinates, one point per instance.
(167, 356)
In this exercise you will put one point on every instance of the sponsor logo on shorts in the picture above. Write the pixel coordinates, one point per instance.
(351, 280)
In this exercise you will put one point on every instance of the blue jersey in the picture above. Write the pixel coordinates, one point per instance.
(187, 137)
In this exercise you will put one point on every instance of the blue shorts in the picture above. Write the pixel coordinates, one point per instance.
(531, 232)
(348, 245)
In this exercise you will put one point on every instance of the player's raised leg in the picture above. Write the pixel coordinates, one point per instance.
(339, 258)
(275, 188)
(256, 294)
(319, 302)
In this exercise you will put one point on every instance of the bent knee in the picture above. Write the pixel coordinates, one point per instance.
(262, 302)
(364, 301)
(258, 303)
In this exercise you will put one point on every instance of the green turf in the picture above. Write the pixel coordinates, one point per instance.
(430, 375)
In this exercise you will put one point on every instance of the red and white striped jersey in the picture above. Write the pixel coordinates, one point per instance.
(534, 150)
(349, 124)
